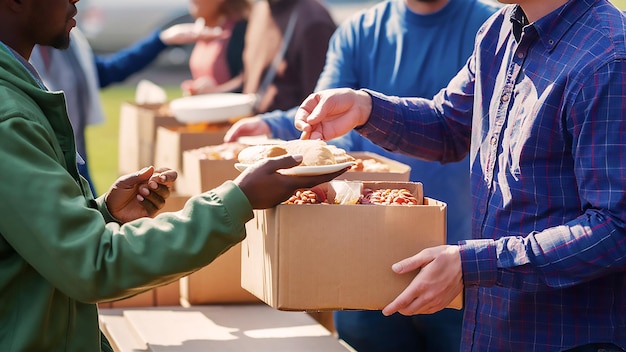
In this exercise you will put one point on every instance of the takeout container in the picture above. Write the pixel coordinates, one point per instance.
(212, 108)
(333, 257)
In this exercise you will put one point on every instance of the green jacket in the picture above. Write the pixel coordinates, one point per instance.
(60, 250)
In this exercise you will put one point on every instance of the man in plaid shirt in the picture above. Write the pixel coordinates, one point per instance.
(540, 108)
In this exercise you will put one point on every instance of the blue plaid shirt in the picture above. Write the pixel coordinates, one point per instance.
(544, 106)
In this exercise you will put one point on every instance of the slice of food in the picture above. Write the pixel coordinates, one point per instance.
(340, 154)
(314, 152)
(254, 153)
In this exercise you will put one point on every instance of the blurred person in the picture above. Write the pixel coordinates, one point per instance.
(405, 48)
(539, 108)
(294, 77)
(216, 63)
(61, 250)
(81, 74)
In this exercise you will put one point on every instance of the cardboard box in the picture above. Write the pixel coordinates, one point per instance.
(218, 282)
(168, 295)
(172, 142)
(332, 257)
(397, 170)
(144, 299)
(137, 134)
(200, 175)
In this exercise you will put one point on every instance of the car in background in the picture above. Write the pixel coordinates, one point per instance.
(111, 25)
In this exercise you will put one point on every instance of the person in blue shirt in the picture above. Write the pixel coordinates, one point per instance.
(404, 48)
(539, 108)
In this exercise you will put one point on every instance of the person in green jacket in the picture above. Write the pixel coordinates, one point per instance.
(61, 250)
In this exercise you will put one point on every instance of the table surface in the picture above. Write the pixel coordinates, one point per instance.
(223, 328)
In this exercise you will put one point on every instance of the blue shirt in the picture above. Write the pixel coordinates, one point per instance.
(546, 117)
(395, 51)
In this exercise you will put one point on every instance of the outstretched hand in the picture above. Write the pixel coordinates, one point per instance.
(266, 188)
(250, 126)
(438, 282)
(141, 194)
(332, 113)
(188, 33)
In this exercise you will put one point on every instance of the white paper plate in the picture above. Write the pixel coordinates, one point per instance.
(306, 170)
(212, 108)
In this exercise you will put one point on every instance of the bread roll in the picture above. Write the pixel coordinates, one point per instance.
(340, 154)
(314, 152)
(254, 153)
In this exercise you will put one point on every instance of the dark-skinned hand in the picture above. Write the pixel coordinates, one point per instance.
(141, 194)
(266, 188)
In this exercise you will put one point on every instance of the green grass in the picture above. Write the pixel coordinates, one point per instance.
(102, 139)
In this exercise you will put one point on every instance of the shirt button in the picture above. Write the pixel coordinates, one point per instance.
(505, 98)
(520, 55)
(493, 140)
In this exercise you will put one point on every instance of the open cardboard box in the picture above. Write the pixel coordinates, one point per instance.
(397, 170)
(137, 134)
(335, 257)
(172, 142)
(200, 175)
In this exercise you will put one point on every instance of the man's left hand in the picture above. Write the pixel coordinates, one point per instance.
(141, 194)
(438, 282)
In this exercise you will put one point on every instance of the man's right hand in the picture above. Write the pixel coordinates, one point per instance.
(332, 113)
(250, 126)
(266, 188)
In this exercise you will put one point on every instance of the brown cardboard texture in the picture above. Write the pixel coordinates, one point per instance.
(137, 134)
(333, 257)
(201, 175)
(397, 170)
(218, 282)
(171, 143)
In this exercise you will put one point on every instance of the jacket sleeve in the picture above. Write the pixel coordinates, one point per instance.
(48, 226)
(119, 66)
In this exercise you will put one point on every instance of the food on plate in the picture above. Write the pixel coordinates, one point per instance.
(254, 153)
(224, 151)
(314, 152)
(369, 165)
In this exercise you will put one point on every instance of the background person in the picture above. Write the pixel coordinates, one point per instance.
(303, 60)
(216, 63)
(539, 109)
(404, 48)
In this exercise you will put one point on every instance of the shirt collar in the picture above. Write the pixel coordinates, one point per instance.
(27, 65)
(553, 26)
